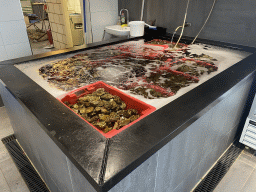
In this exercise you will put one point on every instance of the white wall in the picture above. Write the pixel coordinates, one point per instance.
(14, 41)
(103, 13)
(74, 6)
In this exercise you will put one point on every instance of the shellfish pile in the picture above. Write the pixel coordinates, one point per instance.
(154, 70)
(104, 110)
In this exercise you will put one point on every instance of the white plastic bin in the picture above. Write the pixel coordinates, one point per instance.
(136, 28)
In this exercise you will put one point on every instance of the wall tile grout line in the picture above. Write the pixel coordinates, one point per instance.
(70, 176)
(156, 169)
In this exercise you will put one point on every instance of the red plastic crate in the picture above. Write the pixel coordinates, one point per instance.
(131, 102)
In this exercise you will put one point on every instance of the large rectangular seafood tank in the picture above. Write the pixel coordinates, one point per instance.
(152, 71)
(199, 92)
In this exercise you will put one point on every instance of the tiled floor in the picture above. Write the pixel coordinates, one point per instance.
(240, 178)
(10, 178)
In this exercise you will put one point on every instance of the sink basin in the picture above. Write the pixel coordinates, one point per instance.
(117, 30)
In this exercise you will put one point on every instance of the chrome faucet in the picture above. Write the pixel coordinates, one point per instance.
(127, 14)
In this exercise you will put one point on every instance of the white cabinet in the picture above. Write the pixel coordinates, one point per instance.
(248, 136)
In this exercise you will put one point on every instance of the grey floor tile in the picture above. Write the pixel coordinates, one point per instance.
(248, 152)
(250, 185)
(3, 184)
(3, 113)
(254, 157)
(235, 178)
(4, 155)
(6, 132)
(247, 158)
(2, 147)
(13, 177)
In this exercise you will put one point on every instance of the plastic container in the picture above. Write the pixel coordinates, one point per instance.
(131, 102)
(136, 28)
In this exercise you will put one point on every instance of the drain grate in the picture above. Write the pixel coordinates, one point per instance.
(219, 170)
(8, 139)
(28, 172)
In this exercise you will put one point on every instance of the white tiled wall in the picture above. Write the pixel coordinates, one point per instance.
(56, 19)
(14, 41)
(103, 13)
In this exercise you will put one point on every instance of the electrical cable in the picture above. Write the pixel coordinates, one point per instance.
(177, 28)
(175, 32)
(90, 18)
(142, 9)
(204, 22)
(183, 26)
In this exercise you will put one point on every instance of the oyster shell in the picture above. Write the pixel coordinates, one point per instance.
(82, 110)
(124, 122)
(123, 105)
(117, 99)
(106, 96)
(99, 92)
(134, 117)
(89, 109)
(104, 117)
(100, 125)
(104, 111)
(116, 125)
